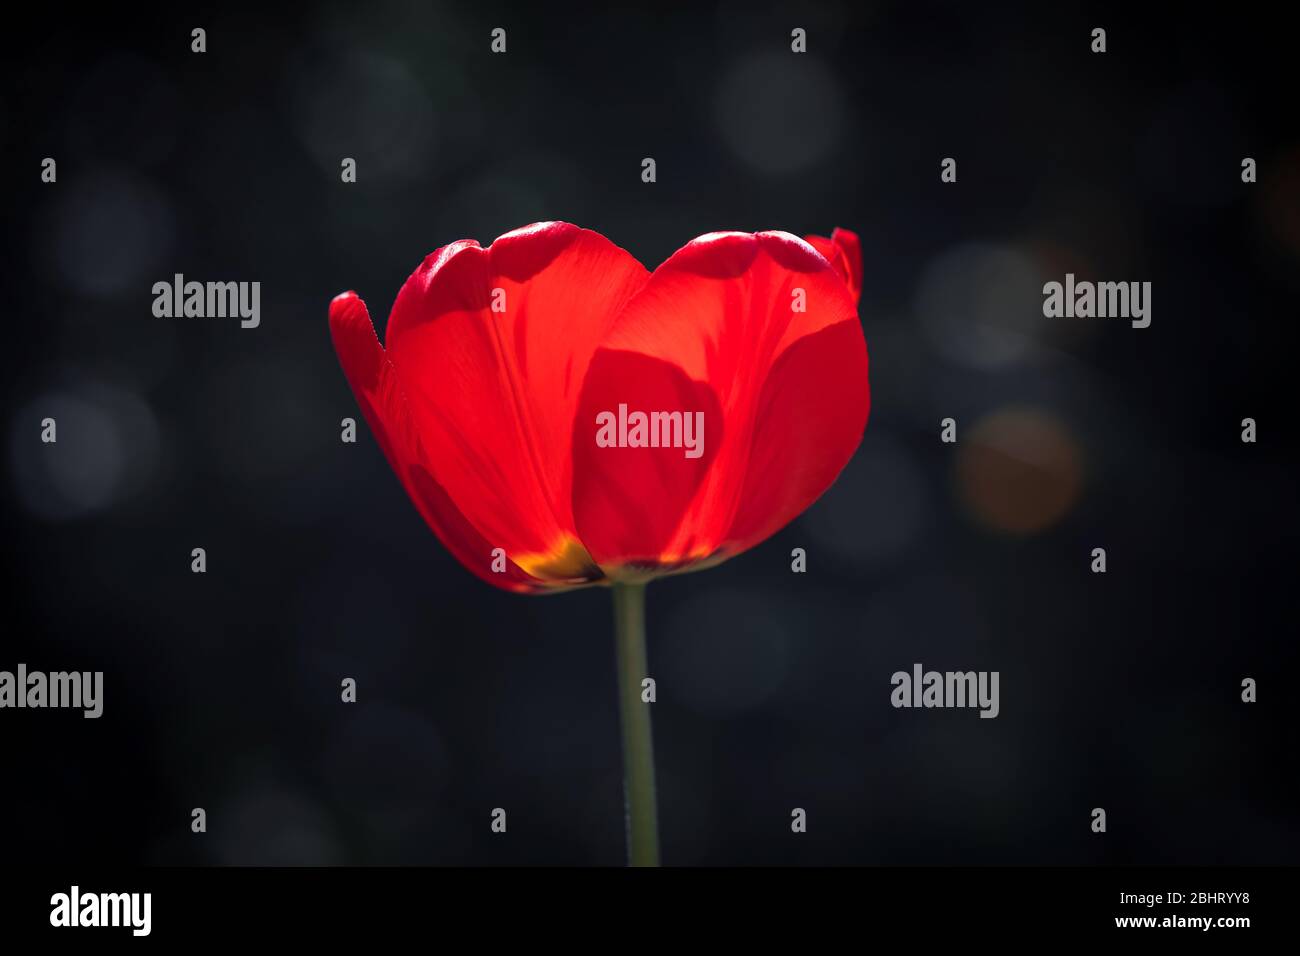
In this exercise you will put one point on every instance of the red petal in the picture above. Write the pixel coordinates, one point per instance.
(813, 410)
(375, 384)
(784, 395)
(493, 393)
(629, 500)
(843, 250)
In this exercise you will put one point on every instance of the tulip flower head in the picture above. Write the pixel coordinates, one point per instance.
(562, 417)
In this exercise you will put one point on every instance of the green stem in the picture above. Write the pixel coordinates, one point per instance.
(638, 746)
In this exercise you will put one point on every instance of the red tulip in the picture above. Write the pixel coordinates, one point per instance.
(501, 361)
(556, 411)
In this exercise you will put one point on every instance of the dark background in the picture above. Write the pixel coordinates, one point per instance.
(222, 690)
